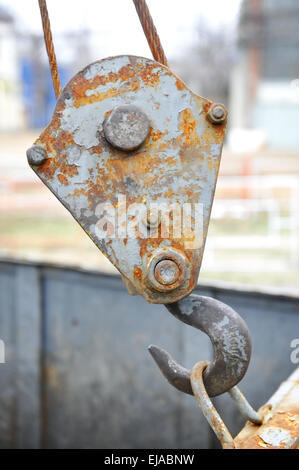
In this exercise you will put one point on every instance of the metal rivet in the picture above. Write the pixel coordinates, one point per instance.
(36, 155)
(153, 219)
(126, 128)
(167, 272)
(217, 113)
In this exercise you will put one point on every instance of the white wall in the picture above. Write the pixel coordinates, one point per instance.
(11, 109)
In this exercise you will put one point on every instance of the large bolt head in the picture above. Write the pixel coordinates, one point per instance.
(217, 113)
(126, 128)
(167, 272)
(36, 155)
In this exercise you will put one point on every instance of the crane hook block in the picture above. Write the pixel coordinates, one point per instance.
(133, 154)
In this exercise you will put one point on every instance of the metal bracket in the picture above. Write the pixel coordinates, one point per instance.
(127, 130)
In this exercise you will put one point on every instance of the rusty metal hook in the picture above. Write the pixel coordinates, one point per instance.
(230, 338)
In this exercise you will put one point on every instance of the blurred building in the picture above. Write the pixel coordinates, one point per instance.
(37, 89)
(27, 98)
(11, 109)
(265, 80)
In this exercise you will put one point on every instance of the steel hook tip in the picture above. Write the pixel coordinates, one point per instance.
(229, 335)
(176, 374)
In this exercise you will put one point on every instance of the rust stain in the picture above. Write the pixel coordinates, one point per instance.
(180, 84)
(57, 146)
(63, 179)
(48, 168)
(187, 124)
(130, 74)
(80, 84)
(169, 193)
(147, 75)
(98, 149)
(138, 273)
(157, 135)
(111, 93)
(68, 170)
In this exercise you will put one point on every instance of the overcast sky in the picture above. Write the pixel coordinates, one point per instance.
(115, 25)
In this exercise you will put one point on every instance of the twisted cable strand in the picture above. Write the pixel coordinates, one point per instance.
(50, 46)
(150, 31)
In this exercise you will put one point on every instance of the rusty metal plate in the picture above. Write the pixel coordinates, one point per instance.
(280, 426)
(177, 163)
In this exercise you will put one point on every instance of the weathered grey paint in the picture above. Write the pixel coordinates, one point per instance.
(77, 373)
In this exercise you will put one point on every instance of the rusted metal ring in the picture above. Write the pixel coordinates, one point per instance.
(207, 407)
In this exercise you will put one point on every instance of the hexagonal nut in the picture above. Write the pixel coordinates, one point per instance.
(167, 269)
(217, 113)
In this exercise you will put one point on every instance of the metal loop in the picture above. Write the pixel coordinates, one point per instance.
(210, 412)
(244, 407)
(230, 338)
(207, 407)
